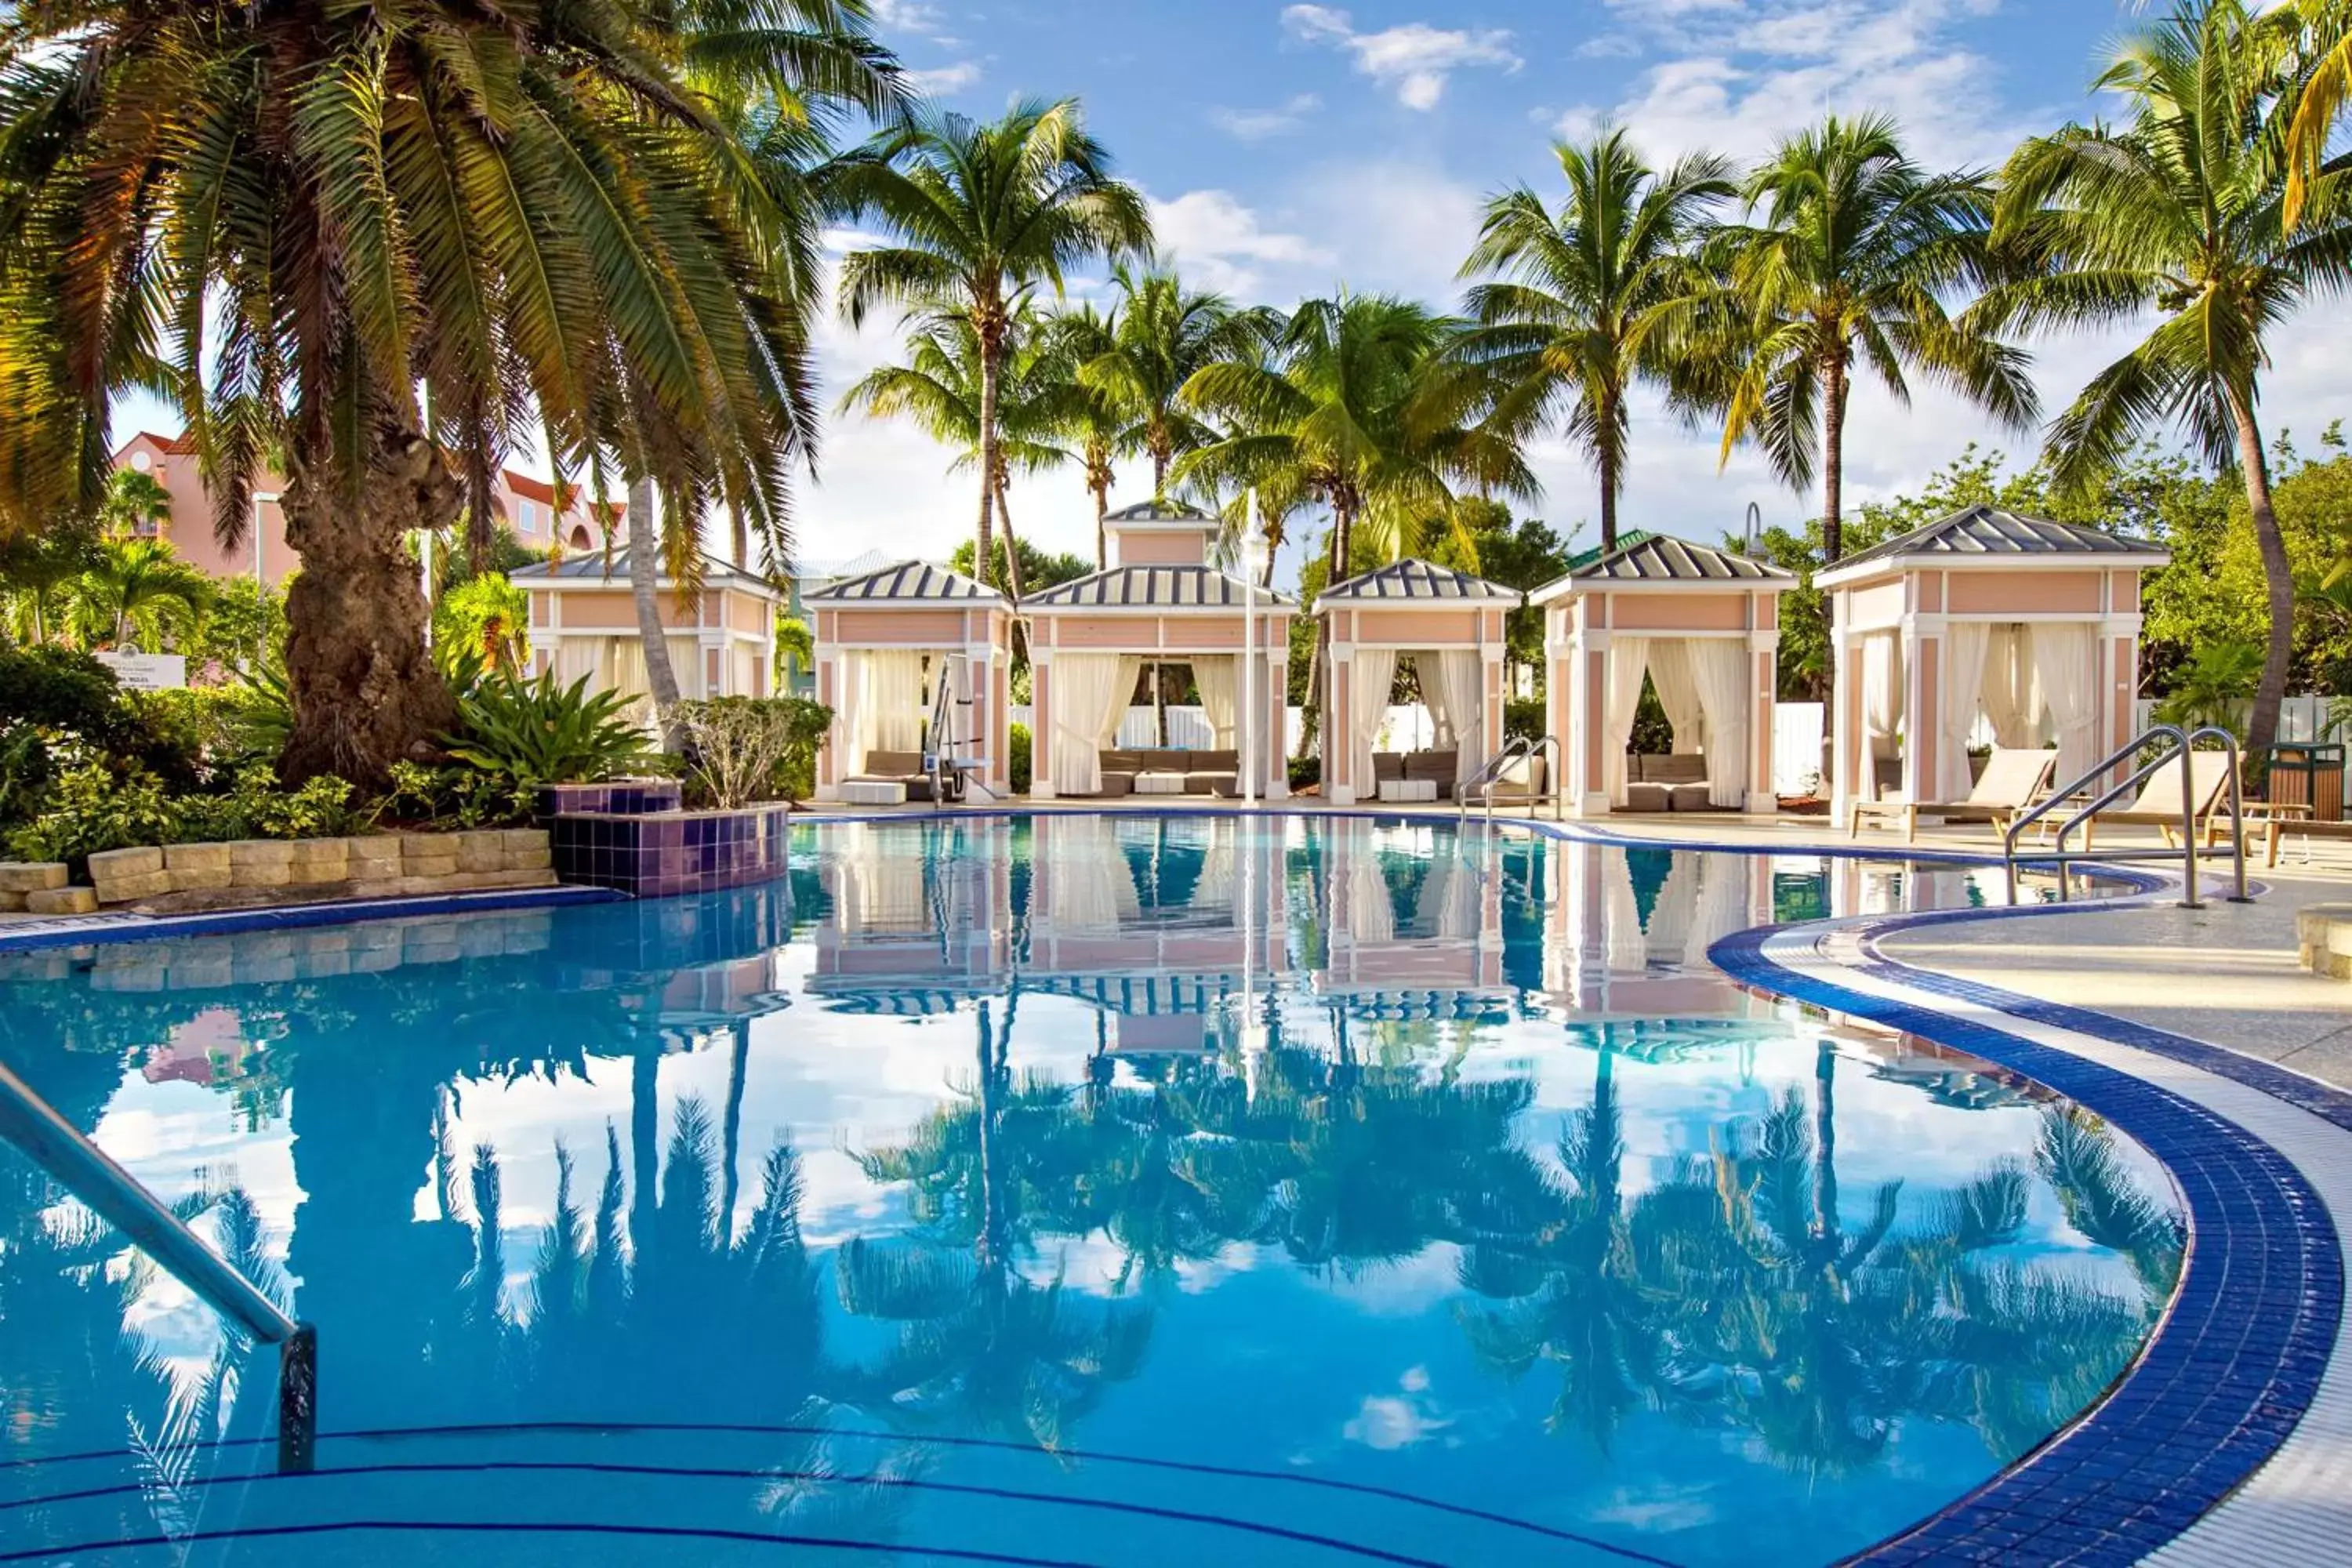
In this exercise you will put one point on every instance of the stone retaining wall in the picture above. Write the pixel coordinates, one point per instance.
(176, 878)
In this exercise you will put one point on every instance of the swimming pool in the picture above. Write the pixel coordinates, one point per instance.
(1069, 1188)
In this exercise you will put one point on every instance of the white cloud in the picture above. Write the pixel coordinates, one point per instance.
(910, 16)
(1415, 59)
(1256, 124)
(1222, 245)
(942, 81)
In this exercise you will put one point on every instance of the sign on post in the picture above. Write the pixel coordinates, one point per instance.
(148, 672)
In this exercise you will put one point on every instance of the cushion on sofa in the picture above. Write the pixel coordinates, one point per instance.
(1211, 761)
(1522, 779)
(1689, 798)
(882, 764)
(1683, 768)
(1117, 761)
(1647, 798)
(1226, 784)
(1387, 765)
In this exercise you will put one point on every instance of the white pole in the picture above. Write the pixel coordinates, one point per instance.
(1249, 653)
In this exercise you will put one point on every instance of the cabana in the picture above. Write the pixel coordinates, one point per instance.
(1450, 624)
(884, 642)
(1412, 922)
(1629, 929)
(2031, 624)
(583, 622)
(1159, 601)
(1703, 625)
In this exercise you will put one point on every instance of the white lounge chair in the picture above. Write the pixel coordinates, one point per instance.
(2160, 804)
(2012, 776)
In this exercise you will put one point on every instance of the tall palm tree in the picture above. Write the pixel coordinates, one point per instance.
(2179, 210)
(1086, 415)
(135, 503)
(941, 388)
(1162, 334)
(975, 216)
(2319, 34)
(548, 228)
(1848, 264)
(1343, 411)
(1588, 302)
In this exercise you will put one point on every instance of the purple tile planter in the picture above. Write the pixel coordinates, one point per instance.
(660, 854)
(620, 797)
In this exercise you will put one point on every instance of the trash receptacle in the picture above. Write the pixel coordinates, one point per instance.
(2310, 773)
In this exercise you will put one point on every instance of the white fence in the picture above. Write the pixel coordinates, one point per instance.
(1187, 727)
(2300, 718)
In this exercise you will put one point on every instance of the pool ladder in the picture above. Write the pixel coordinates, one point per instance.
(1482, 782)
(2173, 743)
(51, 1141)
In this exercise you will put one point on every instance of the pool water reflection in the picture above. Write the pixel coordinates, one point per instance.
(1071, 1189)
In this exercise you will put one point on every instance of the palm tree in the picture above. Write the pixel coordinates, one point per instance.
(135, 503)
(296, 222)
(941, 389)
(2321, 38)
(1589, 303)
(1850, 262)
(1086, 415)
(137, 591)
(977, 214)
(1163, 334)
(2179, 210)
(1343, 411)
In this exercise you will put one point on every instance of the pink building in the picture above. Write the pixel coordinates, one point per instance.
(526, 505)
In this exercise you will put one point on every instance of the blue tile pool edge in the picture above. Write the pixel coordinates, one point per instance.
(2237, 1356)
(105, 930)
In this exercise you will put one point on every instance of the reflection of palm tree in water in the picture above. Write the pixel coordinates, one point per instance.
(1734, 1293)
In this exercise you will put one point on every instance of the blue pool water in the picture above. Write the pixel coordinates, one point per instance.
(1076, 1189)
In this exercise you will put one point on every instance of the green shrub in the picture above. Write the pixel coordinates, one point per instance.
(535, 732)
(90, 808)
(1018, 764)
(1524, 718)
(744, 749)
(60, 690)
(1306, 771)
(2214, 688)
(459, 797)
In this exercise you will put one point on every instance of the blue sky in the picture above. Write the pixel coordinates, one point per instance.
(1289, 147)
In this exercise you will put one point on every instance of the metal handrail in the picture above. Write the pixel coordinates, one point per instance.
(51, 1141)
(1483, 782)
(2178, 744)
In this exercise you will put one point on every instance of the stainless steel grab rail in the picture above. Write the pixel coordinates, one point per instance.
(38, 1128)
(1484, 780)
(2178, 744)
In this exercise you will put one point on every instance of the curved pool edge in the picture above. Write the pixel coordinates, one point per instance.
(2225, 1439)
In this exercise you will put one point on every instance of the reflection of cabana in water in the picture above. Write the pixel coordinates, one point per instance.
(1450, 624)
(1703, 625)
(886, 638)
(917, 905)
(1409, 915)
(1161, 602)
(1632, 929)
(2032, 623)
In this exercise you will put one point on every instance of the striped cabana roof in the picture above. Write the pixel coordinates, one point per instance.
(593, 568)
(1985, 535)
(1152, 588)
(1660, 560)
(1416, 581)
(905, 582)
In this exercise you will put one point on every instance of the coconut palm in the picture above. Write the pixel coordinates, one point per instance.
(1086, 416)
(975, 217)
(137, 591)
(2179, 210)
(1847, 266)
(1592, 300)
(1342, 411)
(1161, 335)
(941, 389)
(135, 503)
(2319, 35)
(548, 229)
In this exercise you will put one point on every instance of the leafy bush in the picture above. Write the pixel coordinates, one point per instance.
(60, 708)
(460, 797)
(2213, 688)
(57, 688)
(1306, 771)
(94, 807)
(743, 749)
(535, 732)
(1019, 763)
(1524, 718)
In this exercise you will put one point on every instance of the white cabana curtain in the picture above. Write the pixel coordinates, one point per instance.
(2011, 705)
(1453, 684)
(1720, 678)
(1219, 677)
(1087, 884)
(1369, 675)
(1967, 644)
(1621, 699)
(894, 686)
(576, 657)
(1088, 693)
(1371, 913)
(1882, 704)
(1626, 949)
(1670, 673)
(1722, 903)
(2061, 668)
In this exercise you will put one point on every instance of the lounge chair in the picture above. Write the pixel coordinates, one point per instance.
(895, 767)
(2012, 779)
(2160, 803)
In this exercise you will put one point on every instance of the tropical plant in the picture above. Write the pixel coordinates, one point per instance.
(2179, 210)
(137, 591)
(974, 215)
(2322, 43)
(741, 749)
(1592, 300)
(1343, 412)
(1161, 335)
(534, 731)
(310, 216)
(1085, 417)
(487, 615)
(1847, 265)
(2213, 686)
(36, 568)
(135, 503)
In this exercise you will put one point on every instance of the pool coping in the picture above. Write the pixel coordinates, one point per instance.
(2175, 1453)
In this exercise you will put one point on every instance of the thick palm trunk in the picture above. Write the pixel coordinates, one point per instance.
(1011, 544)
(645, 572)
(2278, 578)
(1611, 464)
(1102, 525)
(366, 693)
(983, 538)
(739, 534)
(1833, 391)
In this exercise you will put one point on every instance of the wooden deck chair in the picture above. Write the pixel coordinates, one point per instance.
(2158, 804)
(2012, 777)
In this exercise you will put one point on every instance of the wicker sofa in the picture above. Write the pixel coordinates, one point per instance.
(1205, 772)
(1655, 784)
(895, 767)
(1437, 767)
